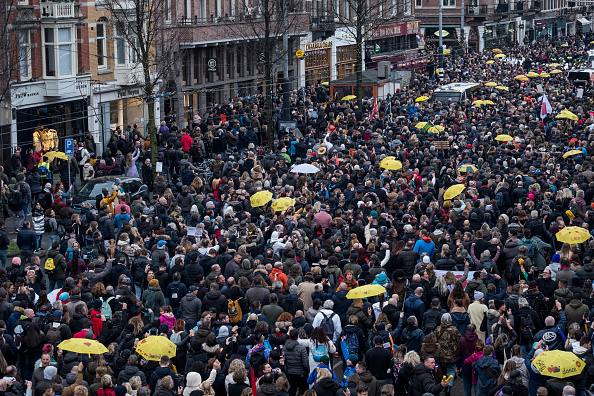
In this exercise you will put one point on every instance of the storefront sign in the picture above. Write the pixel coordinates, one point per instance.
(129, 93)
(398, 29)
(211, 64)
(315, 46)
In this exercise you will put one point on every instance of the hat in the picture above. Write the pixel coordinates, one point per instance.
(120, 390)
(48, 185)
(515, 374)
(153, 283)
(16, 261)
(293, 289)
(161, 243)
(478, 295)
(373, 214)
(223, 332)
(498, 304)
(192, 289)
(556, 258)
(533, 285)
(126, 353)
(57, 314)
(129, 327)
(353, 358)
(378, 340)
(127, 281)
(284, 150)
(64, 296)
(325, 360)
(365, 267)
(49, 372)
(322, 150)
(97, 303)
(381, 278)
(426, 259)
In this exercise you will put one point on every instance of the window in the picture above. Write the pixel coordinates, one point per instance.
(168, 11)
(25, 55)
(101, 58)
(59, 51)
(418, 3)
(449, 3)
(120, 46)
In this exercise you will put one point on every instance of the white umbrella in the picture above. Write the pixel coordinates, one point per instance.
(305, 168)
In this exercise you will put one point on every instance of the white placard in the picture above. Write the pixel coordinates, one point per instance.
(191, 231)
(580, 93)
(159, 167)
(540, 88)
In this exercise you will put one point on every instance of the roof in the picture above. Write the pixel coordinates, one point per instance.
(369, 78)
(457, 87)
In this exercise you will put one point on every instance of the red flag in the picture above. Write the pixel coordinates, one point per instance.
(374, 110)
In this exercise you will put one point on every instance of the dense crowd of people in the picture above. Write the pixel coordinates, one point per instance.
(257, 301)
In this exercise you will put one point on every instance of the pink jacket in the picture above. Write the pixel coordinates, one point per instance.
(471, 359)
(167, 318)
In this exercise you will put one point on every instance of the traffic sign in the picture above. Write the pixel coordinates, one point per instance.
(69, 147)
(299, 53)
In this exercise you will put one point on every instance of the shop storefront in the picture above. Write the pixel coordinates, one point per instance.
(346, 60)
(317, 62)
(398, 44)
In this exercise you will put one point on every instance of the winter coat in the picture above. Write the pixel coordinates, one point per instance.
(586, 272)
(129, 372)
(477, 311)
(341, 305)
(411, 336)
(460, 319)
(488, 371)
(190, 308)
(510, 251)
(372, 384)
(424, 382)
(448, 337)
(60, 263)
(407, 260)
(326, 386)
(214, 299)
(296, 358)
(466, 347)
(575, 311)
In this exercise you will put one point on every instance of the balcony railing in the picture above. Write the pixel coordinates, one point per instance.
(476, 10)
(57, 10)
(214, 20)
(322, 24)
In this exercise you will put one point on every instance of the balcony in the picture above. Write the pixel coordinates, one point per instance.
(477, 10)
(201, 31)
(322, 28)
(57, 10)
(131, 74)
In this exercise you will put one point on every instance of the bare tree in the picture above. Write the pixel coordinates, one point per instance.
(361, 18)
(143, 25)
(263, 23)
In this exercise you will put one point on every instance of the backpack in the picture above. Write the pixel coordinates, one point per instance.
(150, 300)
(531, 253)
(47, 226)
(319, 352)
(106, 308)
(18, 336)
(64, 244)
(527, 328)
(234, 311)
(49, 266)
(15, 201)
(332, 279)
(499, 199)
(44, 172)
(430, 323)
(54, 336)
(99, 172)
(328, 324)
(257, 358)
(174, 299)
(78, 155)
(175, 337)
(352, 343)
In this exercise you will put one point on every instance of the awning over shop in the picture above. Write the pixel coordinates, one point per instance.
(585, 25)
(583, 21)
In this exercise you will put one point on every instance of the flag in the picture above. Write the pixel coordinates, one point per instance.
(374, 110)
(546, 107)
(387, 109)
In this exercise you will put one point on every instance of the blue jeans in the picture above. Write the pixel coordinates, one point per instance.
(53, 238)
(3, 257)
(25, 209)
(39, 239)
(451, 370)
(138, 291)
(55, 283)
(467, 379)
(18, 217)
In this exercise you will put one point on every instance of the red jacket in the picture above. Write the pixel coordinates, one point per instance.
(186, 142)
(97, 322)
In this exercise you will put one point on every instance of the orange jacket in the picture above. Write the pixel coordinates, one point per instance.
(278, 275)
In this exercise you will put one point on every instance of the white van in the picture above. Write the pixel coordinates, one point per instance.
(581, 76)
(455, 92)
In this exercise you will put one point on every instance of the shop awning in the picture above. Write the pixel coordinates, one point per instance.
(583, 21)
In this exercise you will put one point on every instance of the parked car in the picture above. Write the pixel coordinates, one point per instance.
(91, 190)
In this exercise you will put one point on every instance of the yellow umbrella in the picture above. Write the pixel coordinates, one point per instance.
(567, 114)
(572, 152)
(439, 128)
(490, 62)
(82, 345)
(520, 76)
(260, 198)
(454, 191)
(349, 97)
(365, 291)
(524, 79)
(558, 364)
(325, 83)
(444, 33)
(497, 51)
(573, 235)
(419, 125)
(554, 65)
(488, 102)
(504, 138)
(502, 88)
(283, 204)
(391, 165)
(422, 98)
(500, 56)
(467, 168)
(153, 347)
(433, 130)
(478, 103)
(545, 75)
(51, 155)
(447, 51)
(556, 71)
(387, 159)
(491, 84)
(533, 75)
(564, 45)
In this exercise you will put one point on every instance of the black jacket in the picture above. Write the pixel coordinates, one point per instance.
(296, 358)
(4, 241)
(424, 382)
(407, 260)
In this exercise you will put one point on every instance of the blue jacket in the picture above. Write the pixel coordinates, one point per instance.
(488, 371)
(535, 379)
(414, 306)
(422, 246)
(411, 336)
(120, 218)
(26, 239)
(313, 376)
(553, 335)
